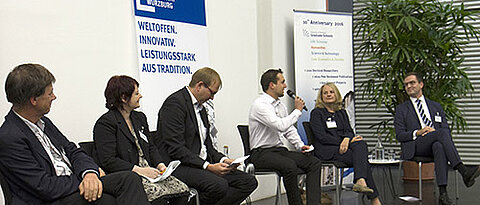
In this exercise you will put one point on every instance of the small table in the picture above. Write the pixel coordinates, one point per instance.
(388, 163)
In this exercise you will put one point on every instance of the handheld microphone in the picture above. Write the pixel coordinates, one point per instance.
(292, 95)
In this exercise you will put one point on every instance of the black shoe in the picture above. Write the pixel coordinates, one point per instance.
(444, 200)
(470, 175)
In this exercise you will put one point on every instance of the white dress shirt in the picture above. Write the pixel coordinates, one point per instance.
(211, 120)
(268, 120)
(60, 162)
(425, 109)
(197, 107)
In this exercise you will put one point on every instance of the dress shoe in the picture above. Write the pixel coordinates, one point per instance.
(444, 200)
(470, 175)
(362, 189)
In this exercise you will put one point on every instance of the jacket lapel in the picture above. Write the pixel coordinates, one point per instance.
(122, 126)
(52, 135)
(190, 110)
(139, 129)
(431, 111)
(411, 109)
(35, 143)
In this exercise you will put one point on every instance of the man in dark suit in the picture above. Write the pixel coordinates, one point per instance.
(183, 132)
(422, 129)
(40, 165)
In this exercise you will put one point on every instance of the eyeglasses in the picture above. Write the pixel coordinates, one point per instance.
(410, 83)
(211, 91)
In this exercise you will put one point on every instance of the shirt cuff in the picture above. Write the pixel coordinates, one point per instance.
(223, 159)
(414, 134)
(297, 112)
(205, 165)
(300, 145)
(90, 171)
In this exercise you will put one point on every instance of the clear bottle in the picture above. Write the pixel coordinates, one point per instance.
(379, 149)
(225, 150)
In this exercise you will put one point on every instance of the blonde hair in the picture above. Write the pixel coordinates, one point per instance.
(338, 98)
(207, 76)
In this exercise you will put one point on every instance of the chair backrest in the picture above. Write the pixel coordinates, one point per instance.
(89, 148)
(243, 130)
(308, 131)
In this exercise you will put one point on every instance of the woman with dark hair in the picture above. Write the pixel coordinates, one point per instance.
(334, 139)
(123, 142)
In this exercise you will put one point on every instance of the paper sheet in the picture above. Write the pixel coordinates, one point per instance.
(171, 167)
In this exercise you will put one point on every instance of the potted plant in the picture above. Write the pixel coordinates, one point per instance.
(401, 36)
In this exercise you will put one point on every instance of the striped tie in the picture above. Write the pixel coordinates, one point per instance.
(422, 113)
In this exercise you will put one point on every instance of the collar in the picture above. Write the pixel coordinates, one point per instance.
(270, 99)
(195, 103)
(39, 125)
(421, 98)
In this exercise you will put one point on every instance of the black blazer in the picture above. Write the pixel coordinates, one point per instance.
(27, 167)
(116, 146)
(178, 134)
(406, 121)
(327, 140)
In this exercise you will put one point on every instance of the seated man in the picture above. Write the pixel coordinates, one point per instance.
(268, 120)
(183, 131)
(422, 129)
(40, 165)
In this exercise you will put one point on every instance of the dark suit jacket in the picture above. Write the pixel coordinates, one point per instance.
(178, 132)
(327, 140)
(116, 146)
(406, 121)
(29, 170)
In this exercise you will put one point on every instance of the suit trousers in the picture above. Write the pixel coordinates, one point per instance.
(438, 144)
(287, 163)
(230, 189)
(118, 188)
(357, 157)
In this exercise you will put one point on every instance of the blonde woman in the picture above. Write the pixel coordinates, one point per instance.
(334, 139)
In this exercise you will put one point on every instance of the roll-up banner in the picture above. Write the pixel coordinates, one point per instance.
(172, 43)
(323, 53)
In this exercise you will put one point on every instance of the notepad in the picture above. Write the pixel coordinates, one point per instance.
(238, 161)
(171, 167)
(309, 149)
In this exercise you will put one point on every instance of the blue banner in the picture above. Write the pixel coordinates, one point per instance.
(186, 11)
(172, 43)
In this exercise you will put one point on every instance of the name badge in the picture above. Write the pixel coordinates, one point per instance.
(438, 118)
(143, 137)
(331, 123)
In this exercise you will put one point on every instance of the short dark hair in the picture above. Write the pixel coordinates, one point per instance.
(269, 76)
(118, 87)
(417, 75)
(26, 81)
(206, 75)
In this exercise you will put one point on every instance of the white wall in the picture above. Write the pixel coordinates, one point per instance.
(84, 43)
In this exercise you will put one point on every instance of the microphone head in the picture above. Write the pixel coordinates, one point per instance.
(291, 93)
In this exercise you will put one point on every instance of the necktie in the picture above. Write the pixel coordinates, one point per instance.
(204, 117)
(422, 113)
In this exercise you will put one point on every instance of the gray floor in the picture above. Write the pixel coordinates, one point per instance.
(466, 195)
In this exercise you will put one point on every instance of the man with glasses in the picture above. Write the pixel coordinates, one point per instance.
(422, 129)
(183, 132)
